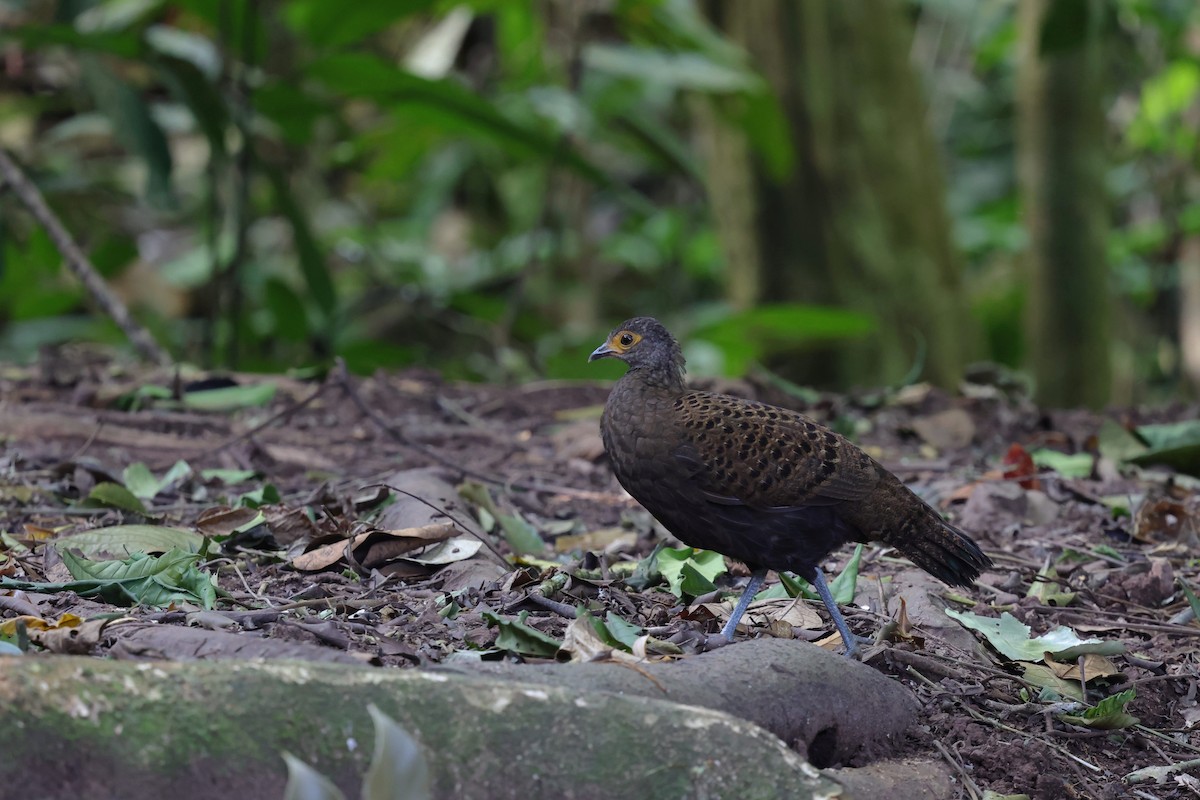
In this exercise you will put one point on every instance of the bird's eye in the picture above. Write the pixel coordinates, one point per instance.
(627, 339)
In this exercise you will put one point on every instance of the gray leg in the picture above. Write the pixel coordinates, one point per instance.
(756, 580)
(850, 640)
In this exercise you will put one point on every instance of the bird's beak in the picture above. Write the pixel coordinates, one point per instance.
(603, 351)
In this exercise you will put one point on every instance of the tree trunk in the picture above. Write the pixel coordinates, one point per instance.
(1060, 164)
(860, 223)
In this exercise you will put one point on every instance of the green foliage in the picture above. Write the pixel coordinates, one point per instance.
(138, 580)
(339, 187)
(485, 188)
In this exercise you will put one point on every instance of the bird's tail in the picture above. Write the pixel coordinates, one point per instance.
(939, 548)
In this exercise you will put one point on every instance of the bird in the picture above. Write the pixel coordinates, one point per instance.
(759, 483)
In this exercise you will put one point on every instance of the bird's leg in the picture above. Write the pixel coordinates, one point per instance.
(848, 638)
(756, 580)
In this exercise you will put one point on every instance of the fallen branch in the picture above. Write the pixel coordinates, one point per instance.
(79, 264)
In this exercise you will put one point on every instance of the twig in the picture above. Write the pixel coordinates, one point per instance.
(957, 766)
(562, 609)
(79, 264)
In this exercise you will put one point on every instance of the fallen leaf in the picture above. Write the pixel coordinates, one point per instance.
(952, 429)
(1019, 466)
(1012, 639)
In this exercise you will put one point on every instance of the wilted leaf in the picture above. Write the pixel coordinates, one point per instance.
(594, 541)
(789, 611)
(1043, 676)
(224, 521)
(458, 548)
(1019, 466)
(9, 626)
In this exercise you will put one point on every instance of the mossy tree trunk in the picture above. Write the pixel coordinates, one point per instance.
(1061, 163)
(861, 222)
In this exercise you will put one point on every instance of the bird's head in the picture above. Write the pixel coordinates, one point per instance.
(644, 344)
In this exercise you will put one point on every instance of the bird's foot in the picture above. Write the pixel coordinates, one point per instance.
(715, 641)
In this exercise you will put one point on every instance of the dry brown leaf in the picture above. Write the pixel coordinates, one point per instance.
(290, 525)
(1094, 667)
(952, 429)
(223, 520)
(793, 612)
(595, 541)
(375, 548)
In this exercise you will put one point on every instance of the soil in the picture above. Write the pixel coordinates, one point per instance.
(1121, 541)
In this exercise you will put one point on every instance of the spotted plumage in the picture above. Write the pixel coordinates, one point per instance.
(762, 484)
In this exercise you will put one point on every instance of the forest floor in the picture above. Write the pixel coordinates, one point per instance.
(1094, 538)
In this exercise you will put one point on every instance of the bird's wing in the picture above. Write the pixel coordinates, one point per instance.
(741, 453)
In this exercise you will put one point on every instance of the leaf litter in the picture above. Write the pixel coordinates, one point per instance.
(199, 529)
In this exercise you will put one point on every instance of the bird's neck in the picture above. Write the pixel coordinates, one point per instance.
(667, 380)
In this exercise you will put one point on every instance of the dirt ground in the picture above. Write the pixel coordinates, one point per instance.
(1105, 555)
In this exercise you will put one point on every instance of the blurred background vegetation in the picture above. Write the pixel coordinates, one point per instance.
(852, 193)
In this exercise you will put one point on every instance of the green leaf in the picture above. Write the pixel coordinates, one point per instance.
(312, 261)
(1117, 443)
(191, 87)
(230, 398)
(1052, 686)
(363, 75)
(517, 637)
(263, 495)
(692, 583)
(1107, 715)
(140, 481)
(305, 783)
(704, 565)
(1193, 601)
(1012, 639)
(329, 25)
(1047, 590)
(133, 126)
(621, 631)
(680, 71)
(522, 537)
(113, 495)
(1175, 444)
(843, 586)
(1076, 465)
(138, 580)
(130, 539)
(398, 766)
(748, 336)
(229, 477)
